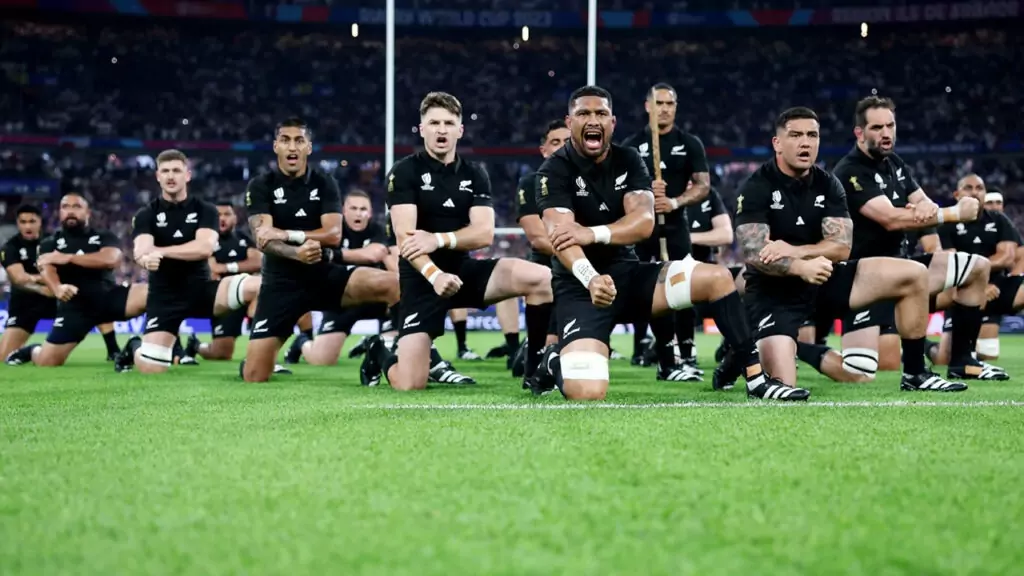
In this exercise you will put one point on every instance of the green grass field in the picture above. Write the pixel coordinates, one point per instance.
(195, 472)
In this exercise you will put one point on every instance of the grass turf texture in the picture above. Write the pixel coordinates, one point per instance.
(196, 472)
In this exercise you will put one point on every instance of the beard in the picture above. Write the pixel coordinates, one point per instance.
(71, 223)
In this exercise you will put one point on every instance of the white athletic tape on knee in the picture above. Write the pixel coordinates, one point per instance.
(863, 361)
(584, 366)
(236, 291)
(958, 268)
(155, 354)
(988, 347)
(679, 282)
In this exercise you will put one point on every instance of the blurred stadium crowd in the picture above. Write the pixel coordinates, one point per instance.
(231, 81)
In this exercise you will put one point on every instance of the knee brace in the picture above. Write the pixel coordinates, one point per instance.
(678, 282)
(958, 268)
(584, 366)
(863, 361)
(988, 347)
(236, 297)
(155, 354)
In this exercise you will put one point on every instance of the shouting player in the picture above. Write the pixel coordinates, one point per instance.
(596, 202)
(295, 212)
(440, 207)
(31, 301)
(77, 265)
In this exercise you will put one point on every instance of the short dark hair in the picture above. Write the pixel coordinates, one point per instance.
(795, 113)
(357, 193)
(227, 203)
(553, 125)
(170, 156)
(860, 115)
(293, 122)
(84, 198)
(28, 209)
(442, 100)
(661, 86)
(584, 91)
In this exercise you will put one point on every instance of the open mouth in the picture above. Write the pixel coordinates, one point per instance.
(442, 140)
(593, 139)
(805, 155)
(292, 158)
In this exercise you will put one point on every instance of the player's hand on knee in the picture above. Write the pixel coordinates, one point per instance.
(419, 243)
(991, 292)
(266, 234)
(602, 291)
(969, 209)
(446, 285)
(814, 271)
(568, 234)
(66, 292)
(309, 252)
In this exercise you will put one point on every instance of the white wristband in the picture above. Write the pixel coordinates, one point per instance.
(232, 267)
(296, 237)
(584, 271)
(674, 203)
(440, 239)
(954, 214)
(602, 234)
(452, 240)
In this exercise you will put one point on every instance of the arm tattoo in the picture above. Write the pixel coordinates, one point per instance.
(255, 222)
(752, 239)
(698, 192)
(280, 248)
(639, 200)
(838, 230)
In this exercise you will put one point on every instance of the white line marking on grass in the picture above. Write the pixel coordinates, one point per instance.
(678, 405)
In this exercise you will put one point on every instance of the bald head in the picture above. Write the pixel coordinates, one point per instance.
(971, 185)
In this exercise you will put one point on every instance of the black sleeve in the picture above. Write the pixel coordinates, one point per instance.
(910, 184)
(402, 185)
(257, 197)
(108, 239)
(752, 202)
(245, 241)
(553, 185)
(330, 199)
(9, 254)
(377, 234)
(835, 200)
(47, 245)
(695, 153)
(208, 217)
(142, 222)
(482, 188)
(945, 232)
(859, 185)
(526, 198)
(717, 206)
(637, 177)
(1005, 229)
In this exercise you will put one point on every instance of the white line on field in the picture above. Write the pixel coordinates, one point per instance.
(678, 405)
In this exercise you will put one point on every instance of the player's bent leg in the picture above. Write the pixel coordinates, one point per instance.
(12, 339)
(370, 286)
(218, 349)
(807, 334)
(155, 355)
(516, 277)
(988, 342)
(778, 355)
(412, 372)
(889, 351)
(584, 366)
(260, 359)
(325, 349)
(235, 292)
(135, 304)
(51, 355)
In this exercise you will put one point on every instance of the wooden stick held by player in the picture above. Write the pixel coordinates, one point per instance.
(652, 121)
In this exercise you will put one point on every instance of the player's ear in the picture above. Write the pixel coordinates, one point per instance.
(568, 124)
(614, 120)
(647, 106)
(462, 129)
(858, 132)
(776, 144)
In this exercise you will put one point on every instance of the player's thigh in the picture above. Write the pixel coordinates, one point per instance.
(361, 285)
(506, 278)
(862, 328)
(231, 293)
(278, 308)
(72, 323)
(421, 310)
(229, 325)
(166, 310)
(135, 300)
(585, 331)
(776, 321)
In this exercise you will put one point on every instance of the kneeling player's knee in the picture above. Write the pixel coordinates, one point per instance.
(862, 362)
(679, 283)
(585, 375)
(988, 348)
(151, 358)
(255, 374)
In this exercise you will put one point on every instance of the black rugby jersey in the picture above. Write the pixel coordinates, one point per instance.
(82, 240)
(443, 196)
(174, 224)
(233, 246)
(863, 178)
(526, 205)
(980, 237)
(294, 204)
(682, 156)
(793, 209)
(594, 192)
(18, 250)
(699, 216)
(355, 239)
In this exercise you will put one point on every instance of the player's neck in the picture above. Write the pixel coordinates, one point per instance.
(865, 151)
(665, 130)
(298, 173)
(446, 158)
(175, 198)
(581, 154)
(790, 171)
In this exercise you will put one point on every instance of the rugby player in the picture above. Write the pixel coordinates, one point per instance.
(795, 231)
(77, 265)
(440, 207)
(596, 202)
(295, 212)
(31, 301)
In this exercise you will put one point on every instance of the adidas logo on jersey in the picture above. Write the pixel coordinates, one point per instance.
(300, 213)
(232, 253)
(695, 224)
(799, 221)
(177, 234)
(977, 240)
(448, 203)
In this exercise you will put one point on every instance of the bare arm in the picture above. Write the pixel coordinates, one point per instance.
(199, 249)
(141, 246)
(881, 210)
(638, 223)
(107, 257)
(752, 238)
(719, 235)
(533, 226)
(26, 281)
(1005, 256)
(275, 247)
(930, 243)
(50, 277)
(480, 232)
(838, 238)
(403, 220)
(697, 191)
(372, 254)
(1018, 266)
(553, 217)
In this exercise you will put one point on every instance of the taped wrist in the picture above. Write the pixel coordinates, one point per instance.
(602, 234)
(430, 271)
(296, 237)
(584, 271)
(950, 214)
